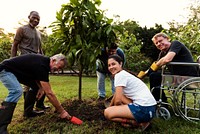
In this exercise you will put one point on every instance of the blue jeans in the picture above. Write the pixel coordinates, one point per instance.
(12, 84)
(101, 84)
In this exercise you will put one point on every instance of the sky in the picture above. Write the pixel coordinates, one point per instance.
(145, 12)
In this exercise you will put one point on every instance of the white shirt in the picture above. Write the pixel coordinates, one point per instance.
(134, 88)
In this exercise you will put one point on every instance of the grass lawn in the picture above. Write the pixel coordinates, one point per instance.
(66, 89)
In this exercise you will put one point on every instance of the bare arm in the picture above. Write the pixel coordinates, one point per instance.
(40, 49)
(40, 91)
(40, 44)
(119, 98)
(52, 97)
(14, 48)
(167, 58)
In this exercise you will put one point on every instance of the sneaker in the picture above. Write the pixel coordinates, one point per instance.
(34, 114)
(42, 107)
(100, 99)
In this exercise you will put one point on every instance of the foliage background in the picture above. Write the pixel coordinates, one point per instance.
(76, 37)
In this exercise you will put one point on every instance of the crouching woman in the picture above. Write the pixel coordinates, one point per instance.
(132, 105)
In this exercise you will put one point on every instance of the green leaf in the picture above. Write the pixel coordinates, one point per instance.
(108, 30)
(74, 2)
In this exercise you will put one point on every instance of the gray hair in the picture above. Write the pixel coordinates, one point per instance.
(60, 57)
(159, 35)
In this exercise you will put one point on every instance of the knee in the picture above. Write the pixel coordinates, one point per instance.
(155, 75)
(107, 114)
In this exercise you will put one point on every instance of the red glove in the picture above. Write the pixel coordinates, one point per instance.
(76, 120)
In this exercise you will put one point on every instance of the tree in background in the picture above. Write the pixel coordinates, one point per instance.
(48, 44)
(188, 33)
(145, 35)
(135, 60)
(5, 44)
(137, 44)
(81, 31)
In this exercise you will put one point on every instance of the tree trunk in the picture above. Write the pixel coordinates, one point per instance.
(80, 84)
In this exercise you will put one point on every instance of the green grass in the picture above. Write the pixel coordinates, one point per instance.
(65, 88)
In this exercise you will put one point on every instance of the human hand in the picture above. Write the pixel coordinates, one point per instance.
(152, 68)
(40, 93)
(72, 119)
(65, 115)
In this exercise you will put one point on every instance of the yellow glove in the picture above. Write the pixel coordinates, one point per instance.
(141, 74)
(154, 67)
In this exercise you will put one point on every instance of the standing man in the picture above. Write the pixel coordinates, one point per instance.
(28, 40)
(102, 69)
(170, 51)
(33, 71)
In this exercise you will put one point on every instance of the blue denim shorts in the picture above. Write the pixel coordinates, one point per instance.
(142, 113)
